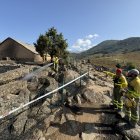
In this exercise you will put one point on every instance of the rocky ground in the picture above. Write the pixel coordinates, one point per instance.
(47, 119)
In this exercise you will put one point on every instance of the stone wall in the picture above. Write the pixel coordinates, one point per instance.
(30, 123)
(14, 74)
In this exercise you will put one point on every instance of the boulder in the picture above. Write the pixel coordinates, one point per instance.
(29, 124)
(131, 133)
(91, 96)
(18, 124)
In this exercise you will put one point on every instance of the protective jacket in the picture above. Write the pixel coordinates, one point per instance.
(132, 105)
(118, 81)
(56, 60)
(134, 88)
(119, 84)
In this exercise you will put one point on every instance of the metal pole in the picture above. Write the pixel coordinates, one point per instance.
(62, 92)
(80, 73)
(88, 71)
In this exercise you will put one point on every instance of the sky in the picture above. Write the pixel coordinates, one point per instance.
(84, 23)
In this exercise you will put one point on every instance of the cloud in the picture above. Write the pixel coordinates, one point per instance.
(84, 44)
(92, 36)
(69, 49)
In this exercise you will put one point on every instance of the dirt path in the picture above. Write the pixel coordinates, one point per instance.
(94, 123)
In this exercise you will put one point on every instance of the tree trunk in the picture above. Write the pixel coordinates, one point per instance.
(51, 58)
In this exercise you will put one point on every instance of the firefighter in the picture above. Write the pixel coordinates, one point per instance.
(56, 61)
(44, 57)
(132, 97)
(119, 84)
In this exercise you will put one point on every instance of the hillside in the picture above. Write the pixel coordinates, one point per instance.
(113, 51)
(114, 47)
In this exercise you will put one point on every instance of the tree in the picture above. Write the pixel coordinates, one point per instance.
(42, 44)
(52, 43)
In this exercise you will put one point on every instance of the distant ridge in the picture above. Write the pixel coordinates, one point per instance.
(131, 44)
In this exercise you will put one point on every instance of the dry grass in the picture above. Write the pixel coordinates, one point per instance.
(111, 60)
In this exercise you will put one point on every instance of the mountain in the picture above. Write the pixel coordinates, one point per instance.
(113, 47)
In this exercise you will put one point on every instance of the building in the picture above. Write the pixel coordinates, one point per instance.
(19, 51)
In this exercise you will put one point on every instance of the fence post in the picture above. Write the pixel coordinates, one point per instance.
(75, 81)
(62, 94)
(76, 62)
(80, 73)
(88, 71)
(73, 62)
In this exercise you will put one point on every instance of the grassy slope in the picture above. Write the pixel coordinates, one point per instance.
(111, 60)
(110, 52)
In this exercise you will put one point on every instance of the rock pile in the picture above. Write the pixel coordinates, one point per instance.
(47, 119)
